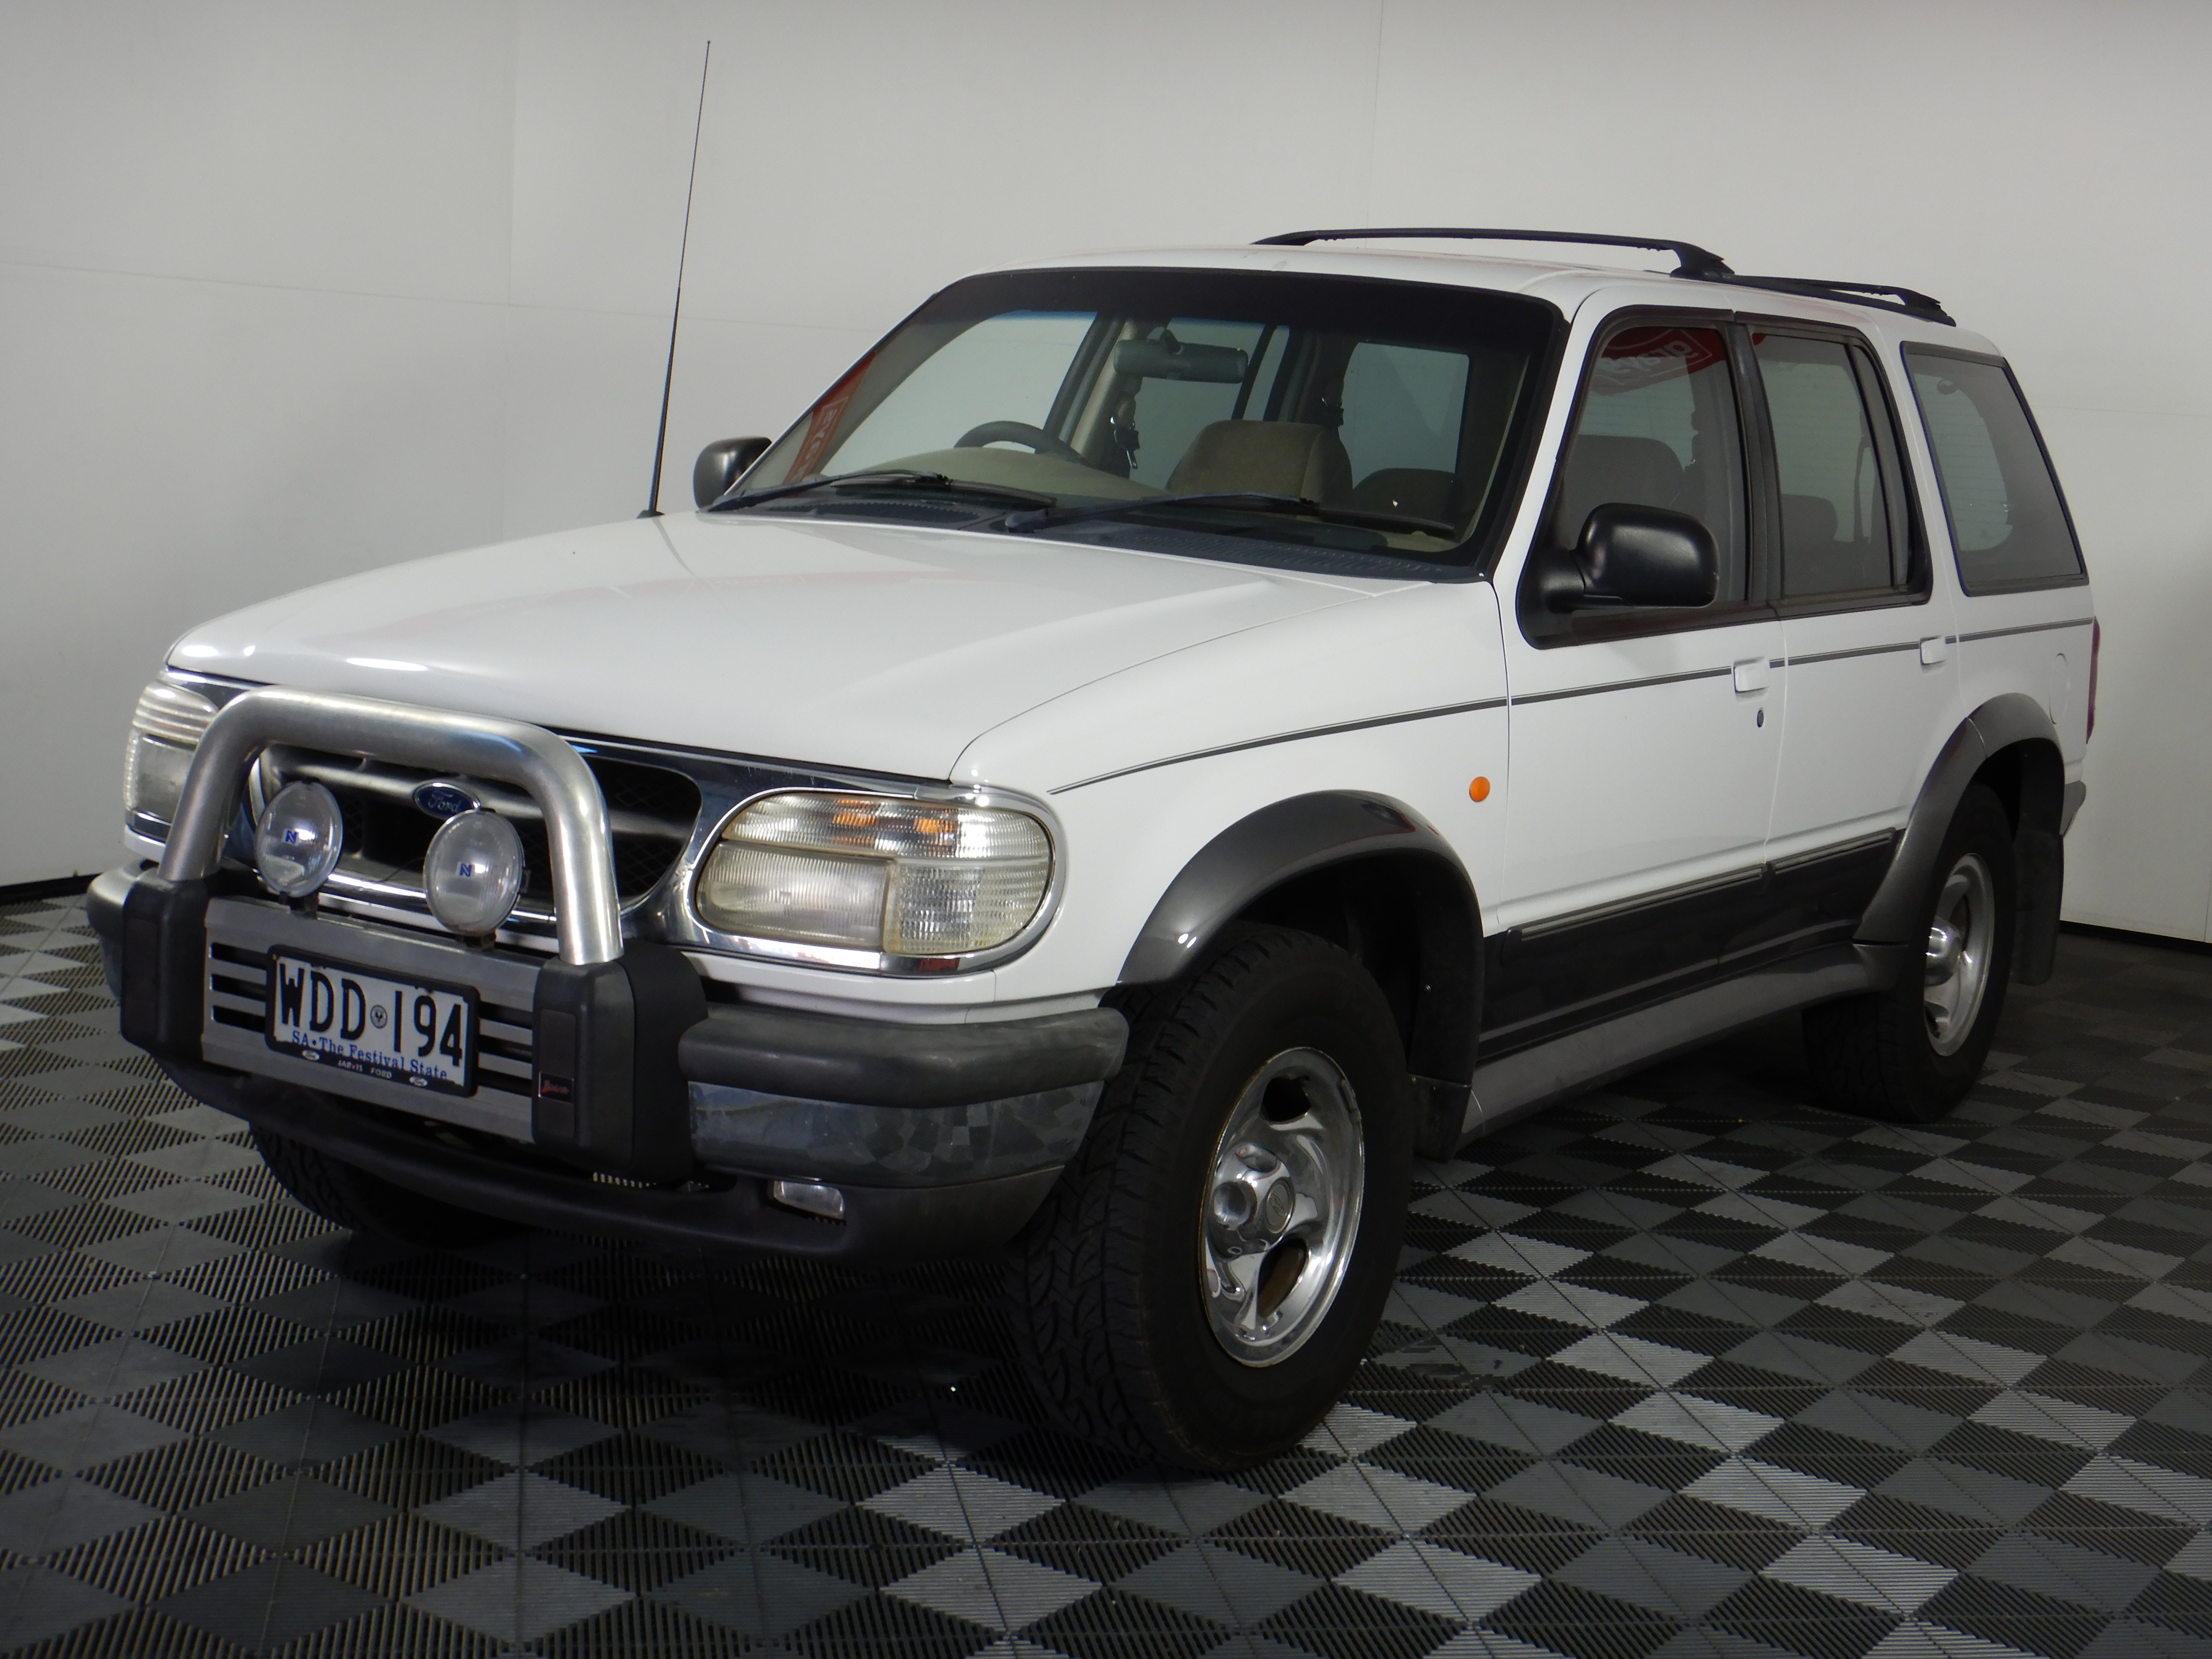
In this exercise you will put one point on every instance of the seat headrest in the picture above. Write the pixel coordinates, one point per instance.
(1273, 457)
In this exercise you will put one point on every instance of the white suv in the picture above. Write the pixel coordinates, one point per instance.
(1167, 738)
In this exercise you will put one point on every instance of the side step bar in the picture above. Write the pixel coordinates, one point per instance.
(1520, 1084)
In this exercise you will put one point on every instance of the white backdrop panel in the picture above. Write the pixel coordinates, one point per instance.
(286, 292)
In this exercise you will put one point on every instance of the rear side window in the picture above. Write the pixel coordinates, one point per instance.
(1838, 525)
(2007, 522)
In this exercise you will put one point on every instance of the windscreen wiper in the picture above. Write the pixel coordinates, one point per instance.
(907, 477)
(1251, 501)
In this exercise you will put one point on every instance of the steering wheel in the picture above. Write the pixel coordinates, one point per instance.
(1019, 432)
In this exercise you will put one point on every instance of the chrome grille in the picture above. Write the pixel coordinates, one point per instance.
(652, 811)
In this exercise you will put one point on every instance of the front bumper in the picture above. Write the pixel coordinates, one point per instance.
(940, 1137)
(607, 1060)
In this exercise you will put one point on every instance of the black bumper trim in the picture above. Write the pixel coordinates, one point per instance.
(783, 1051)
(882, 1223)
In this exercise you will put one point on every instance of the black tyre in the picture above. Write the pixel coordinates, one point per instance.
(1209, 1270)
(369, 1204)
(1909, 1053)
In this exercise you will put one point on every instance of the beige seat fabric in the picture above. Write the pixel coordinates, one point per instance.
(1273, 458)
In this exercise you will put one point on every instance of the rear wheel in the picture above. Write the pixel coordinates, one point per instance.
(1910, 1052)
(1206, 1276)
(369, 1204)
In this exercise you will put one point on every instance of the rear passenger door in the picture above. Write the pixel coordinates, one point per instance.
(1872, 680)
(1645, 742)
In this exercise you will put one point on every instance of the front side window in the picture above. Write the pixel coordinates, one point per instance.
(1837, 526)
(2009, 524)
(1351, 417)
(1658, 427)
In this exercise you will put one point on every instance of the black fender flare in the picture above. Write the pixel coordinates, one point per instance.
(2014, 719)
(1304, 833)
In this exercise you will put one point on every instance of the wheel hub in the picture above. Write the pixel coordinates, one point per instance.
(1281, 1209)
(1960, 937)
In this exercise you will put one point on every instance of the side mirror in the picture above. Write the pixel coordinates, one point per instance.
(1629, 555)
(720, 465)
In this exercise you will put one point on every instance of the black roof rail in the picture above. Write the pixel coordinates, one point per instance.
(1908, 301)
(1698, 263)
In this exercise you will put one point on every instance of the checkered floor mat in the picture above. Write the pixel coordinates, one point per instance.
(1686, 1368)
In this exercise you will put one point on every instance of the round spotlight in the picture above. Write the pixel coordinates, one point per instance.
(472, 873)
(299, 839)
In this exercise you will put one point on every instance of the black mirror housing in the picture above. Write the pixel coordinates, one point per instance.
(1640, 555)
(720, 465)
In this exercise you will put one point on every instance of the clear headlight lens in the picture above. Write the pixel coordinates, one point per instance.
(167, 728)
(870, 872)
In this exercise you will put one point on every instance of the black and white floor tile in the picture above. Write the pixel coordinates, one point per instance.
(1686, 1368)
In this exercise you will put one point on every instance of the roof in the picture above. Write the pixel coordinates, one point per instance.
(1446, 256)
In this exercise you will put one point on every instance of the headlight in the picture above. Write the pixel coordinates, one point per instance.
(870, 872)
(171, 721)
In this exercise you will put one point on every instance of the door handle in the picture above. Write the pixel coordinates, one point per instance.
(1934, 649)
(1751, 674)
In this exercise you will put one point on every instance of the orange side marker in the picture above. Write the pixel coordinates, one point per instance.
(1478, 790)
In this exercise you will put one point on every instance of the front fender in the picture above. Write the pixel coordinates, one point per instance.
(1305, 835)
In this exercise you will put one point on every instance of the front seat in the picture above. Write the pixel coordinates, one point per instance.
(1638, 471)
(1271, 458)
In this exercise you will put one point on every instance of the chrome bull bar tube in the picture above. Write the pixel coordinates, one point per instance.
(587, 909)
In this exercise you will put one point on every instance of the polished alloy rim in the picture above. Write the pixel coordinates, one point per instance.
(1958, 941)
(1280, 1209)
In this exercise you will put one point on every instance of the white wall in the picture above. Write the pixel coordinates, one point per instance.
(286, 292)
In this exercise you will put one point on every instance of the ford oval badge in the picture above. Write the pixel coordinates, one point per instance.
(444, 798)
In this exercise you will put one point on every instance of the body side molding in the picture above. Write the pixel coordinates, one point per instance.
(2000, 724)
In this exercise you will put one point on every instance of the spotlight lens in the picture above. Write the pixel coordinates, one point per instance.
(473, 874)
(297, 841)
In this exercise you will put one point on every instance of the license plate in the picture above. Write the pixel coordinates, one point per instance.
(396, 1029)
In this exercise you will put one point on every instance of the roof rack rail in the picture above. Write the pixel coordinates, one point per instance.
(1698, 263)
(1909, 301)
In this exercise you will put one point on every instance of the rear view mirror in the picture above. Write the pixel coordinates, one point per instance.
(720, 465)
(1629, 555)
(1169, 358)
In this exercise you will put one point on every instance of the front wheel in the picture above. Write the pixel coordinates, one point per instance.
(1910, 1052)
(1206, 1276)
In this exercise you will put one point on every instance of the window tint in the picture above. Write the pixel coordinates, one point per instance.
(1658, 429)
(2006, 519)
(1836, 521)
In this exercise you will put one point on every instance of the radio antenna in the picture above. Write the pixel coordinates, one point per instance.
(668, 381)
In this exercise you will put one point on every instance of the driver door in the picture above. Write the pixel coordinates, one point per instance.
(1645, 742)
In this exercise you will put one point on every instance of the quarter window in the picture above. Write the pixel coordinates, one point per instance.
(1837, 529)
(2008, 523)
(1658, 427)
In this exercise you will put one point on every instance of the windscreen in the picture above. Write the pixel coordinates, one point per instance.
(1353, 414)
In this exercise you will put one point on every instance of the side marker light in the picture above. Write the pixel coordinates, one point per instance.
(1478, 790)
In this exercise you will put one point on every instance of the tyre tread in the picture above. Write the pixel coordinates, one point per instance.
(1085, 1336)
